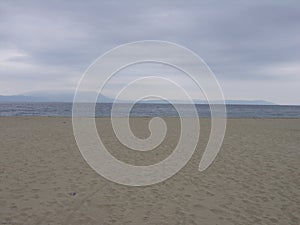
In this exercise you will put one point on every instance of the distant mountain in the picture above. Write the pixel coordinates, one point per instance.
(59, 96)
(249, 102)
(227, 102)
(19, 98)
(52, 97)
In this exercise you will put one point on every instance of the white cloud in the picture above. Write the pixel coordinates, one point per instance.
(290, 70)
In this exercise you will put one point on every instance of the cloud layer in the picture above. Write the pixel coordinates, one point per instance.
(252, 46)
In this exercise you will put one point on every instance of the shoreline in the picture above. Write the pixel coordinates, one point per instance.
(106, 117)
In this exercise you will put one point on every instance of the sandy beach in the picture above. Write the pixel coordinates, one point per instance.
(255, 179)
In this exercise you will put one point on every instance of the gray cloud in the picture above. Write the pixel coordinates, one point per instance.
(247, 43)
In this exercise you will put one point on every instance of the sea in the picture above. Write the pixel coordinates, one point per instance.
(149, 110)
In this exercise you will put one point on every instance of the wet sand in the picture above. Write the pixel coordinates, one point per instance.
(255, 179)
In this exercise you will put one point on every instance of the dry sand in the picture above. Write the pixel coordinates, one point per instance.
(254, 179)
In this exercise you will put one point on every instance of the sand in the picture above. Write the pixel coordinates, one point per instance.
(255, 179)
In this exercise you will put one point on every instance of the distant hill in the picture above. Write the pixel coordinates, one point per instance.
(68, 97)
(51, 97)
(228, 102)
(19, 98)
(249, 102)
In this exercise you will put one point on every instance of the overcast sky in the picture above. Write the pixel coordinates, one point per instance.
(253, 47)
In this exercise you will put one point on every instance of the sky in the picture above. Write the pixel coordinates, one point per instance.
(253, 47)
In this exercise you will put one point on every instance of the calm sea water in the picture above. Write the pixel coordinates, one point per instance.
(149, 110)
